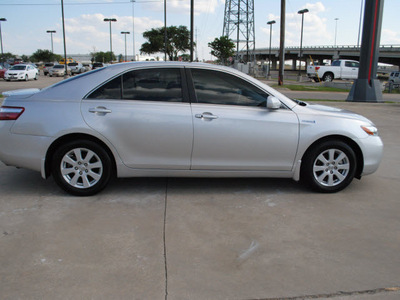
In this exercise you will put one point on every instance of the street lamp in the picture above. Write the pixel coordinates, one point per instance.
(301, 12)
(125, 33)
(1, 39)
(336, 19)
(270, 40)
(51, 33)
(133, 28)
(110, 20)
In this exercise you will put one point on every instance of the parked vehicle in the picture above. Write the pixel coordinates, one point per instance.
(59, 70)
(47, 67)
(180, 119)
(21, 72)
(2, 71)
(97, 65)
(76, 68)
(340, 69)
(88, 66)
(394, 77)
(69, 60)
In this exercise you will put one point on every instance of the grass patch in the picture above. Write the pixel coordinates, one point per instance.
(309, 88)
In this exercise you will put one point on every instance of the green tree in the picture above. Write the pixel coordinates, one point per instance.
(43, 55)
(104, 56)
(222, 48)
(25, 57)
(178, 40)
(6, 56)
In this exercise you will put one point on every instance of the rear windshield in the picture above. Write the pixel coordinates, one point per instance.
(59, 67)
(72, 64)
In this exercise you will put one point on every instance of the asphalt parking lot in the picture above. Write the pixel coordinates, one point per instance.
(183, 238)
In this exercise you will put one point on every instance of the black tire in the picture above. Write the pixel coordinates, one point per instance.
(328, 77)
(316, 79)
(85, 175)
(329, 167)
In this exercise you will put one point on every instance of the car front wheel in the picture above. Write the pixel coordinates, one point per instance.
(329, 167)
(81, 168)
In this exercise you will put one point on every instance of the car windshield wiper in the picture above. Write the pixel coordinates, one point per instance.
(299, 102)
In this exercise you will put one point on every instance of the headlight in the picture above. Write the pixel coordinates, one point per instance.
(370, 130)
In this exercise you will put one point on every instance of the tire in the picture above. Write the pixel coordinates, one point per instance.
(328, 77)
(329, 167)
(81, 168)
(316, 79)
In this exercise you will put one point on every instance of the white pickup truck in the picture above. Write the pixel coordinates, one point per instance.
(340, 69)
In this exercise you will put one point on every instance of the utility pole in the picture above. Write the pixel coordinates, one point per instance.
(282, 43)
(191, 29)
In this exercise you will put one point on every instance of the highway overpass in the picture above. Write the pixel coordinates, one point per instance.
(388, 54)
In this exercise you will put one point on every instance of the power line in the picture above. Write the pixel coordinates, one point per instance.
(87, 3)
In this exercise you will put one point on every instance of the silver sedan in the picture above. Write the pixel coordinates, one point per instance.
(180, 119)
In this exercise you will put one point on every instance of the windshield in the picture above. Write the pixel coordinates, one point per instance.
(18, 68)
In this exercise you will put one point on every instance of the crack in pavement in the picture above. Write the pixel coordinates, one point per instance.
(338, 294)
(164, 239)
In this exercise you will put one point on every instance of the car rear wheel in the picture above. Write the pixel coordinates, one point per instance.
(328, 77)
(329, 167)
(81, 168)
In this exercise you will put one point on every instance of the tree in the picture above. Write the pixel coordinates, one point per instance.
(44, 55)
(222, 48)
(25, 57)
(104, 56)
(177, 41)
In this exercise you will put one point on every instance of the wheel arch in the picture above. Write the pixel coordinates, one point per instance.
(328, 72)
(347, 140)
(73, 137)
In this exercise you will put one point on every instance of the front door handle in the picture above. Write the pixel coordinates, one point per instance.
(206, 115)
(100, 110)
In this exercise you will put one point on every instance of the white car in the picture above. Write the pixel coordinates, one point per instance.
(22, 72)
(76, 68)
(59, 70)
(180, 119)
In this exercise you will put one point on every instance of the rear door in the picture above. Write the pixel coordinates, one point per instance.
(144, 114)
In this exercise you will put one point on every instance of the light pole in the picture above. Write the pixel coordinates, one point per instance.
(1, 39)
(270, 40)
(301, 12)
(165, 30)
(51, 33)
(110, 20)
(359, 24)
(336, 19)
(133, 29)
(125, 33)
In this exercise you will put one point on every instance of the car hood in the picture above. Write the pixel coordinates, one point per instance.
(334, 112)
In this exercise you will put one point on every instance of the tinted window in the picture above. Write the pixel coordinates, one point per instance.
(153, 85)
(110, 90)
(221, 88)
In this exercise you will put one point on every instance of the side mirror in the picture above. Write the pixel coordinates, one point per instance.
(273, 103)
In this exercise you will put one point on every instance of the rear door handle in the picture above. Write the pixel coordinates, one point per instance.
(206, 115)
(100, 110)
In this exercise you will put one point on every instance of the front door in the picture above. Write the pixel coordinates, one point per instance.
(233, 130)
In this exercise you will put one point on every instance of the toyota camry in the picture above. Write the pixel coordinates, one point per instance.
(147, 119)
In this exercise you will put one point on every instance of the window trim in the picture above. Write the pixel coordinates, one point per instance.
(184, 87)
(192, 90)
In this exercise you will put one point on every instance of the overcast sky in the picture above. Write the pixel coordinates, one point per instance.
(27, 22)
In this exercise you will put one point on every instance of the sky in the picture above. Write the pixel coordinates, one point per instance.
(27, 22)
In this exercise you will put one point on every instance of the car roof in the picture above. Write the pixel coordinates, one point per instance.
(77, 87)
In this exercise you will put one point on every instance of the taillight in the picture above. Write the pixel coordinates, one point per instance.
(10, 112)
(317, 68)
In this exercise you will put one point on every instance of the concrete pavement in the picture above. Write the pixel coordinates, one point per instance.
(183, 238)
